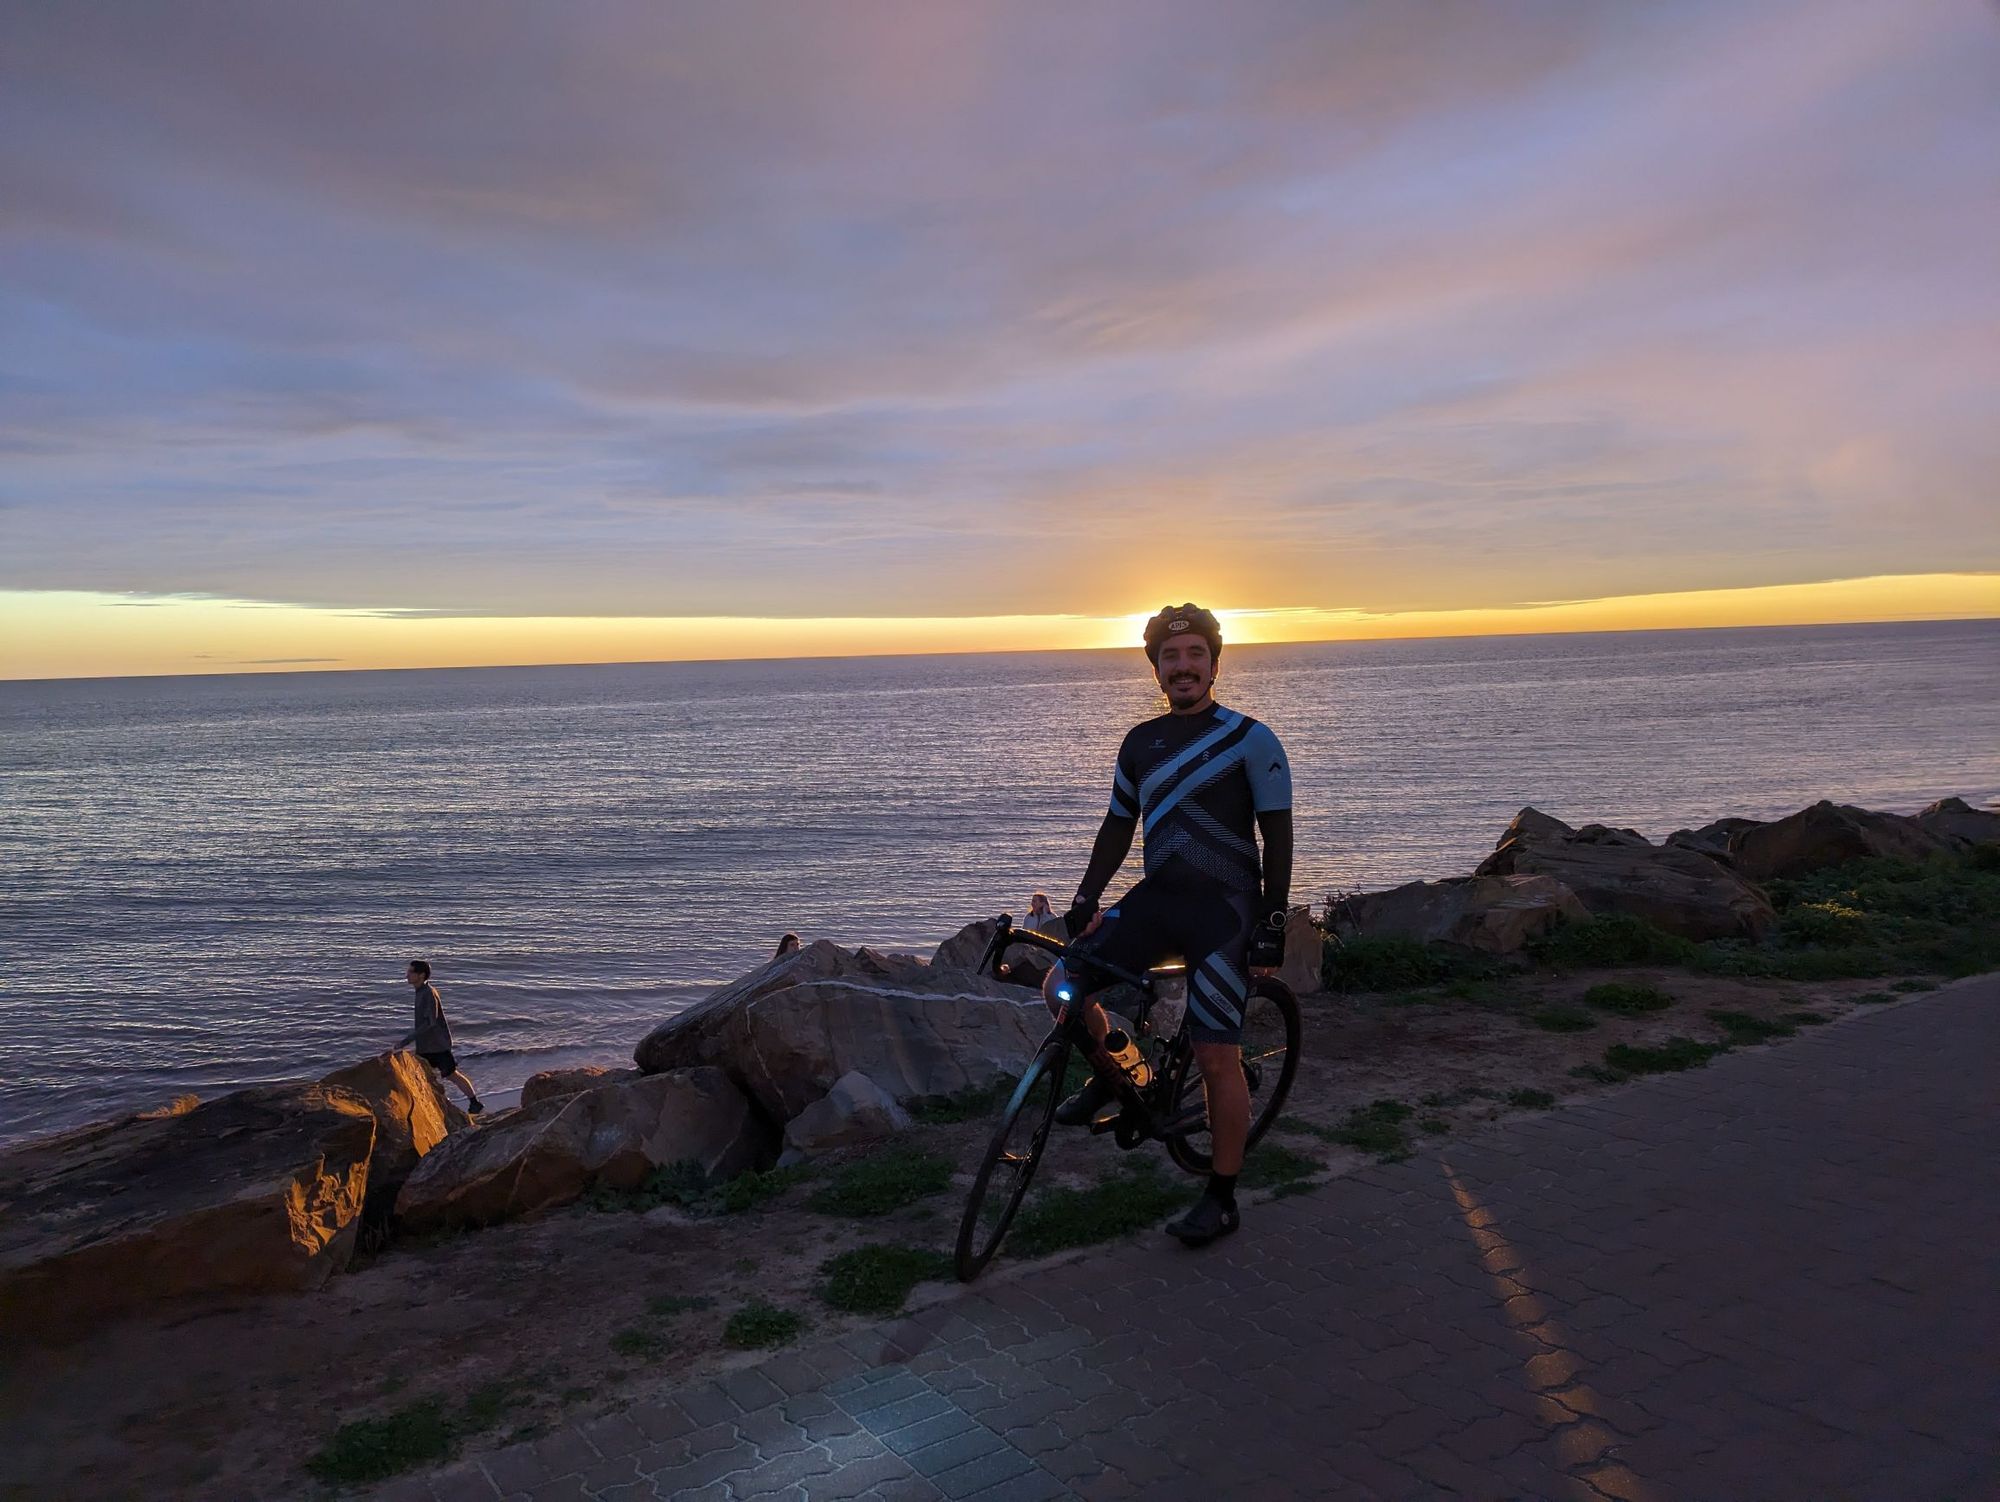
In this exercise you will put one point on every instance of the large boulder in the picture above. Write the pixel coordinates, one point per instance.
(1305, 952)
(787, 1033)
(410, 1118)
(1713, 839)
(1026, 964)
(560, 1084)
(1955, 819)
(855, 1110)
(1490, 914)
(258, 1191)
(1619, 871)
(1828, 834)
(548, 1154)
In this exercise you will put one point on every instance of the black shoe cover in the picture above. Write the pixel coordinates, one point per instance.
(1082, 1107)
(1208, 1221)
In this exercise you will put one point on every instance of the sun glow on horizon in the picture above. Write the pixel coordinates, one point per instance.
(74, 634)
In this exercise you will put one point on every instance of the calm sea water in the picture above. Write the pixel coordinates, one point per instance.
(210, 881)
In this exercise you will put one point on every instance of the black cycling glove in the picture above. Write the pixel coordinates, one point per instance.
(1081, 910)
(1267, 941)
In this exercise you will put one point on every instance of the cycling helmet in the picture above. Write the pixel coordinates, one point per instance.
(1177, 619)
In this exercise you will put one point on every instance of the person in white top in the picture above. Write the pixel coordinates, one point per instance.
(1044, 919)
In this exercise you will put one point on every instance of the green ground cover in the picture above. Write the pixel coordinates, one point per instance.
(1866, 919)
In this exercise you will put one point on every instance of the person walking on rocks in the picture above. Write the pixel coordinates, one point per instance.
(1204, 782)
(432, 1034)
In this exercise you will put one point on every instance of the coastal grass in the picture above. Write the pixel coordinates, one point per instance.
(1272, 1165)
(1609, 941)
(877, 1279)
(1743, 1027)
(686, 1186)
(637, 1343)
(973, 1103)
(1128, 1199)
(883, 1182)
(1530, 1100)
(1865, 919)
(758, 1326)
(1562, 1018)
(1377, 1128)
(365, 1450)
(1397, 965)
(1623, 1000)
(425, 1432)
(1669, 1057)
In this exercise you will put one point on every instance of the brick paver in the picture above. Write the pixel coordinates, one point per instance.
(1776, 1277)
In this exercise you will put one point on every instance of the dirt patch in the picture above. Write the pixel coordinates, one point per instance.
(497, 1334)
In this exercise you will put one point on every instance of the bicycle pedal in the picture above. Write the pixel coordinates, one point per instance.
(1193, 1119)
(1106, 1119)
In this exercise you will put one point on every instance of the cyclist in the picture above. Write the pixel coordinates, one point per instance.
(1204, 781)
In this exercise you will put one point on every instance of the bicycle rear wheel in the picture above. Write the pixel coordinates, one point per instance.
(1270, 1060)
(1011, 1159)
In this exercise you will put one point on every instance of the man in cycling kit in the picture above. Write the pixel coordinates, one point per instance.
(1205, 781)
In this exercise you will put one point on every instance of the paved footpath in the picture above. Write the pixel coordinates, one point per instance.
(1772, 1278)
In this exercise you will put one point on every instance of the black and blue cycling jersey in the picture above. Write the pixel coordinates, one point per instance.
(1196, 783)
(1192, 786)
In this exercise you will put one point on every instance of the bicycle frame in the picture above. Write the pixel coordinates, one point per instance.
(1137, 1121)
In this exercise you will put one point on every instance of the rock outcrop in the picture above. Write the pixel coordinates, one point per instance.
(1026, 964)
(1305, 952)
(855, 1110)
(1828, 834)
(1955, 819)
(559, 1084)
(258, 1191)
(548, 1154)
(410, 1118)
(1490, 914)
(1713, 839)
(788, 1033)
(1615, 871)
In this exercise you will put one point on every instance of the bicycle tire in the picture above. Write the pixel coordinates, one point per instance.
(1033, 1105)
(1267, 1099)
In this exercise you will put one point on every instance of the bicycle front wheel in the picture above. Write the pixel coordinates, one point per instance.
(1270, 1060)
(1011, 1159)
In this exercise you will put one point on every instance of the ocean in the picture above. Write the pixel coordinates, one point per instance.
(206, 882)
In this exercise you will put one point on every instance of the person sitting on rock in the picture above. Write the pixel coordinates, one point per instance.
(787, 944)
(1044, 919)
(432, 1034)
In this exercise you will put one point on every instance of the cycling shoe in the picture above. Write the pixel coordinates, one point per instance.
(1084, 1107)
(1209, 1220)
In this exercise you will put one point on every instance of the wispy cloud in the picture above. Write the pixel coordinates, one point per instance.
(944, 310)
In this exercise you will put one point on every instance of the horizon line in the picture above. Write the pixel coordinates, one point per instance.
(1610, 616)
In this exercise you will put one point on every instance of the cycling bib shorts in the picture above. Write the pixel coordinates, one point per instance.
(1204, 923)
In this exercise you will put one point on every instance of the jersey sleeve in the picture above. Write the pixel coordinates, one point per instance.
(1124, 786)
(1269, 773)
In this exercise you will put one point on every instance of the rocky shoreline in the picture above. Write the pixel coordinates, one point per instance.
(273, 1189)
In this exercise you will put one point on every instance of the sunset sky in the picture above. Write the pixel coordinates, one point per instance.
(369, 334)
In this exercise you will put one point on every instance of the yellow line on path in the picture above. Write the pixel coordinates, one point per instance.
(1569, 1407)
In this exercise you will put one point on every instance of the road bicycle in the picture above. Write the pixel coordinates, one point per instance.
(1168, 1107)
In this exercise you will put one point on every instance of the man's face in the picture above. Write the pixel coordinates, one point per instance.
(414, 976)
(1185, 670)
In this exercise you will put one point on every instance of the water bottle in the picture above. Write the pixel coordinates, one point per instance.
(1125, 1053)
